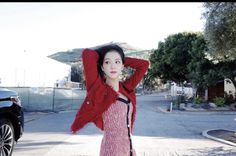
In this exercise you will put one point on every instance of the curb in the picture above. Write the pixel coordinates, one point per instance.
(204, 133)
(162, 110)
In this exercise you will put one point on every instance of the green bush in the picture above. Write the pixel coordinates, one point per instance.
(219, 101)
(229, 99)
(198, 100)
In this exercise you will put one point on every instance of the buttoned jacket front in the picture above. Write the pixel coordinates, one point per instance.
(100, 95)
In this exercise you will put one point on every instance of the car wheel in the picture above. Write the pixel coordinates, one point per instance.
(6, 137)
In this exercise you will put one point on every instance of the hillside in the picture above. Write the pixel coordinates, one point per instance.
(74, 55)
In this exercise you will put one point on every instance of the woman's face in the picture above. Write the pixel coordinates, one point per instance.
(112, 65)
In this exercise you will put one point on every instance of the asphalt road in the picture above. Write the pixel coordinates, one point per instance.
(156, 133)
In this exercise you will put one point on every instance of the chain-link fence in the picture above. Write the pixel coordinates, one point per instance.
(49, 99)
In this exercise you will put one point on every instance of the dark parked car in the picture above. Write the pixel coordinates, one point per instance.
(11, 121)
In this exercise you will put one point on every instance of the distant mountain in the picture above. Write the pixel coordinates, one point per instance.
(72, 56)
(68, 57)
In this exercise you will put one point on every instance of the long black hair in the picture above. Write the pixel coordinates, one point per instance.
(103, 50)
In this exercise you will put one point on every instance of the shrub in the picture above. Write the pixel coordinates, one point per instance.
(229, 98)
(198, 100)
(219, 101)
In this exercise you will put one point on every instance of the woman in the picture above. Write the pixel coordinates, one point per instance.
(110, 104)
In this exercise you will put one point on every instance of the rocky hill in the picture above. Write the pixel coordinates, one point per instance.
(72, 56)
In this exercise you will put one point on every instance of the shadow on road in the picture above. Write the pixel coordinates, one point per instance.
(30, 144)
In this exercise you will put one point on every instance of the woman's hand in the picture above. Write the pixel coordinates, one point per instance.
(73, 132)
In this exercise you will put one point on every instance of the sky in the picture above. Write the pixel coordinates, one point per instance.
(47, 28)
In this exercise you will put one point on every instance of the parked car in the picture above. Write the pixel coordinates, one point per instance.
(11, 121)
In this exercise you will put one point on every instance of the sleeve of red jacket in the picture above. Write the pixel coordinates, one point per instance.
(85, 113)
(82, 118)
(90, 59)
(140, 66)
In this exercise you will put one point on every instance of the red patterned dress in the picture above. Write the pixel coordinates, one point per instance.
(117, 132)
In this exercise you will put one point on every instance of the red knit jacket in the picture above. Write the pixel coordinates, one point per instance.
(100, 95)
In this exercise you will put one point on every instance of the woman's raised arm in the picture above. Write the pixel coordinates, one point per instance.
(90, 58)
(140, 66)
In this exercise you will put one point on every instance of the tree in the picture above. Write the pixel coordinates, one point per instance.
(227, 69)
(220, 29)
(199, 67)
(220, 33)
(76, 74)
(170, 60)
(150, 82)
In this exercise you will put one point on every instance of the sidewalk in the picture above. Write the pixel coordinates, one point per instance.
(222, 135)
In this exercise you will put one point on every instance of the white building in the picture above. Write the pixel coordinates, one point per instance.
(229, 87)
(24, 69)
(178, 90)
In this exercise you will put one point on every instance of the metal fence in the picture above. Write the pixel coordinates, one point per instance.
(49, 99)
